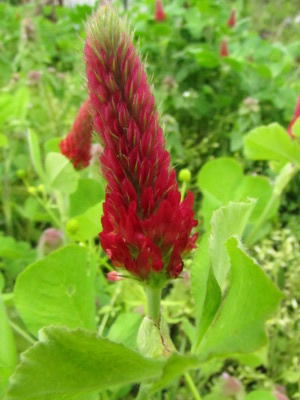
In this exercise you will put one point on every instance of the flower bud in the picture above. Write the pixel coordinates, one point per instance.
(185, 175)
(231, 385)
(34, 77)
(72, 226)
(50, 240)
(31, 190)
(41, 188)
(21, 173)
(280, 393)
(113, 276)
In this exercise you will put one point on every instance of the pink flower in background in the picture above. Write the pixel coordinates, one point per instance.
(50, 240)
(224, 52)
(159, 13)
(77, 145)
(146, 227)
(296, 116)
(232, 19)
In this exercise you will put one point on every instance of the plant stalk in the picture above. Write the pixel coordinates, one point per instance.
(153, 303)
(192, 386)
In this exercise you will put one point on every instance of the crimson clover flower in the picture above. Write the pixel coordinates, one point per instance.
(159, 12)
(296, 116)
(146, 227)
(224, 51)
(77, 144)
(232, 19)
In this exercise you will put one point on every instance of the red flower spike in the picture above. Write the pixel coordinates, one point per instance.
(296, 116)
(224, 52)
(232, 19)
(77, 144)
(159, 13)
(146, 228)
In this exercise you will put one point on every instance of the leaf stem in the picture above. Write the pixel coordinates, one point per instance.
(143, 392)
(153, 303)
(192, 386)
(106, 316)
(183, 190)
(20, 331)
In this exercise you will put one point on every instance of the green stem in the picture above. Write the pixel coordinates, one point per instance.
(143, 393)
(281, 182)
(183, 190)
(192, 386)
(153, 303)
(21, 332)
(261, 219)
(106, 316)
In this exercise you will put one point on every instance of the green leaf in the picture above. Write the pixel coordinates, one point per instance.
(153, 340)
(283, 178)
(205, 289)
(219, 178)
(8, 354)
(89, 193)
(226, 221)
(176, 365)
(35, 153)
(20, 103)
(60, 173)
(52, 145)
(68, 365)
(296, 128)
(251, 300)
(58, 289)
(125, 329)
(260, 395)
(206, 58)
(271, 143)
(88, 224)
(199, 275)
(260, 189)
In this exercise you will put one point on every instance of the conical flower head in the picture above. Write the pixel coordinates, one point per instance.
(232, 19)
(159, 12)
(224, 52)
(77, 144)
(146, 228)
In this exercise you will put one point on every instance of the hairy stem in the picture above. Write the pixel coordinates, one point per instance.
(153, 303)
